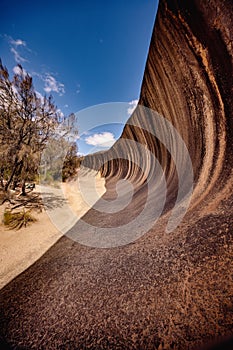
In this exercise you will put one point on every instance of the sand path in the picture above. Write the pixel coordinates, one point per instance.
(19, 249)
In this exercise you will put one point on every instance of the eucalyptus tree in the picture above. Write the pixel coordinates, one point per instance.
(27, 121)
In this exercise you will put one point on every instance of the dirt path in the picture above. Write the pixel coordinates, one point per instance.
(21, 248)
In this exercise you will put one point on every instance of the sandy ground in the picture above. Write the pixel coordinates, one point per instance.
(21, 248)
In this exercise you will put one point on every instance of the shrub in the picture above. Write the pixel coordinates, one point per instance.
(17, 220)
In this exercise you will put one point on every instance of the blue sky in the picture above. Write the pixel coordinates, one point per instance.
(82, 52)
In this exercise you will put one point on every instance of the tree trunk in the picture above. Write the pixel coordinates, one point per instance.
(23, 188)
(1, 177)
(15, 182)
(16, 164)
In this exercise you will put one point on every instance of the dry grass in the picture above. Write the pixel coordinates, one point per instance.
(17, 220)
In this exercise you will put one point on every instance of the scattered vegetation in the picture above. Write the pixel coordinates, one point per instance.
(28, 123)
(71, 163)
(18, 219)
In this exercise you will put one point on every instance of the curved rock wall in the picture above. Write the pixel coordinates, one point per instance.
(189, 80)
(162, 291)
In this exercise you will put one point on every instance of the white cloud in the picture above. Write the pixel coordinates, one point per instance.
(132, 106)
(104, 139)
(15, 46)
(37, 75)
(18, 58)
(17, 42)
(51, 84)
(78, 89)
(19, 71)
(80, 154)
(38, 95)
(61, 114)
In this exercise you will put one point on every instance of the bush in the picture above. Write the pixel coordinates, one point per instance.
(17, 220)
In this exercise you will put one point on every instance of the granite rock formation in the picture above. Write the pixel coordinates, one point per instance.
(162, 291)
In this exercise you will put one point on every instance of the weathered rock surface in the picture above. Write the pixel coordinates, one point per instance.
(164, 291)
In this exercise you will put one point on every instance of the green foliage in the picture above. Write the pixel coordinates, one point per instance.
(27, 123)
(17, 220)
(71, 163)
(59, 161)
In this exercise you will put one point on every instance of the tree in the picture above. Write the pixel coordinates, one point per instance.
(71, 162)
(27, 121)
(59, 161)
